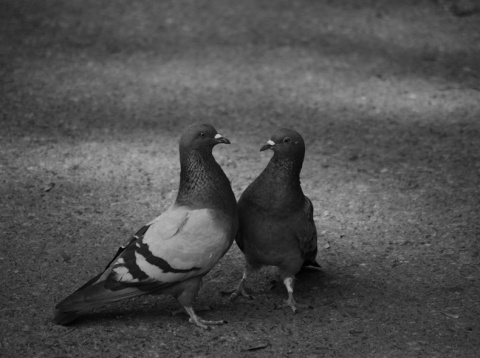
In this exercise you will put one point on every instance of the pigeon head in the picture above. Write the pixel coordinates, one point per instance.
(286, 143)
(200, 137)
(202, 181)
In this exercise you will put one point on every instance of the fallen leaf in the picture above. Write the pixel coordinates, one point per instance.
(451, 315)
(48, 187)
(256, 346)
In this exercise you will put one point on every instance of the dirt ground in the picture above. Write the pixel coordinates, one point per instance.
(95, 95)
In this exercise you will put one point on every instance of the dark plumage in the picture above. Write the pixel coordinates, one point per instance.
(276, 218)
(172, 253)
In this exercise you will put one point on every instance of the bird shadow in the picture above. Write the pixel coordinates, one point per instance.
(125, 313)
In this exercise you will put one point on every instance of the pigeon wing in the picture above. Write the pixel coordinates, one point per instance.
(308, 239)
(178, 245)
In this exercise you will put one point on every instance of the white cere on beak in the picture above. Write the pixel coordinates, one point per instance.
(218, 136)
(271, 142)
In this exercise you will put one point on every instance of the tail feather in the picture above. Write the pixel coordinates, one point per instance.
(98, 294)
(313, 264)
(64, 318)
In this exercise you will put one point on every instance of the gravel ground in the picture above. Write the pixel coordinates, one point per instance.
(95, 95)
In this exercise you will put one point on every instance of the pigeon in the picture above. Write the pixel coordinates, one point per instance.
(276, 218)
(172, 253)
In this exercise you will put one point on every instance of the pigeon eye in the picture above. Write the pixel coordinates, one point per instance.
(202, 135)
(286, 140)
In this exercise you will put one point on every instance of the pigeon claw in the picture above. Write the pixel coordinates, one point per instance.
(233, 294)
(204, 324)
(200, 322)
(242, 292)
(290, 303)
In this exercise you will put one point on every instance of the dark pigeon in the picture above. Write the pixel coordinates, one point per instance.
(172, 253)
(276, 218)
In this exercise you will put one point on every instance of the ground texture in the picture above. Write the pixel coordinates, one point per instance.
(95, 95)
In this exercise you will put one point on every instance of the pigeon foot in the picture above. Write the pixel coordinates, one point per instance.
(201, 322)
(240, 291)
(293, 305)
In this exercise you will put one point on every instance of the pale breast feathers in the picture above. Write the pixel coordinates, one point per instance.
(179, 244)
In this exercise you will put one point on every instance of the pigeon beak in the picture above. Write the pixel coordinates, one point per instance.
(220, 139)
(270, 144)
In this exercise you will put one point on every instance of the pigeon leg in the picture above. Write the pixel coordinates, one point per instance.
(185, 296)
(276, 281)
(241, 286)
(198, 321)
(198, 309)
(290, 301)
(273, 284)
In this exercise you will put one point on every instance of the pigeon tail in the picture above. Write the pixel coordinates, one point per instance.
(98, 294)
(311, 264)
(64, 318)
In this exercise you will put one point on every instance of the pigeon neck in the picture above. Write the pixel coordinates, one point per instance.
(287, 168)
(203, 183)
(278, 187)
(282, 175)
